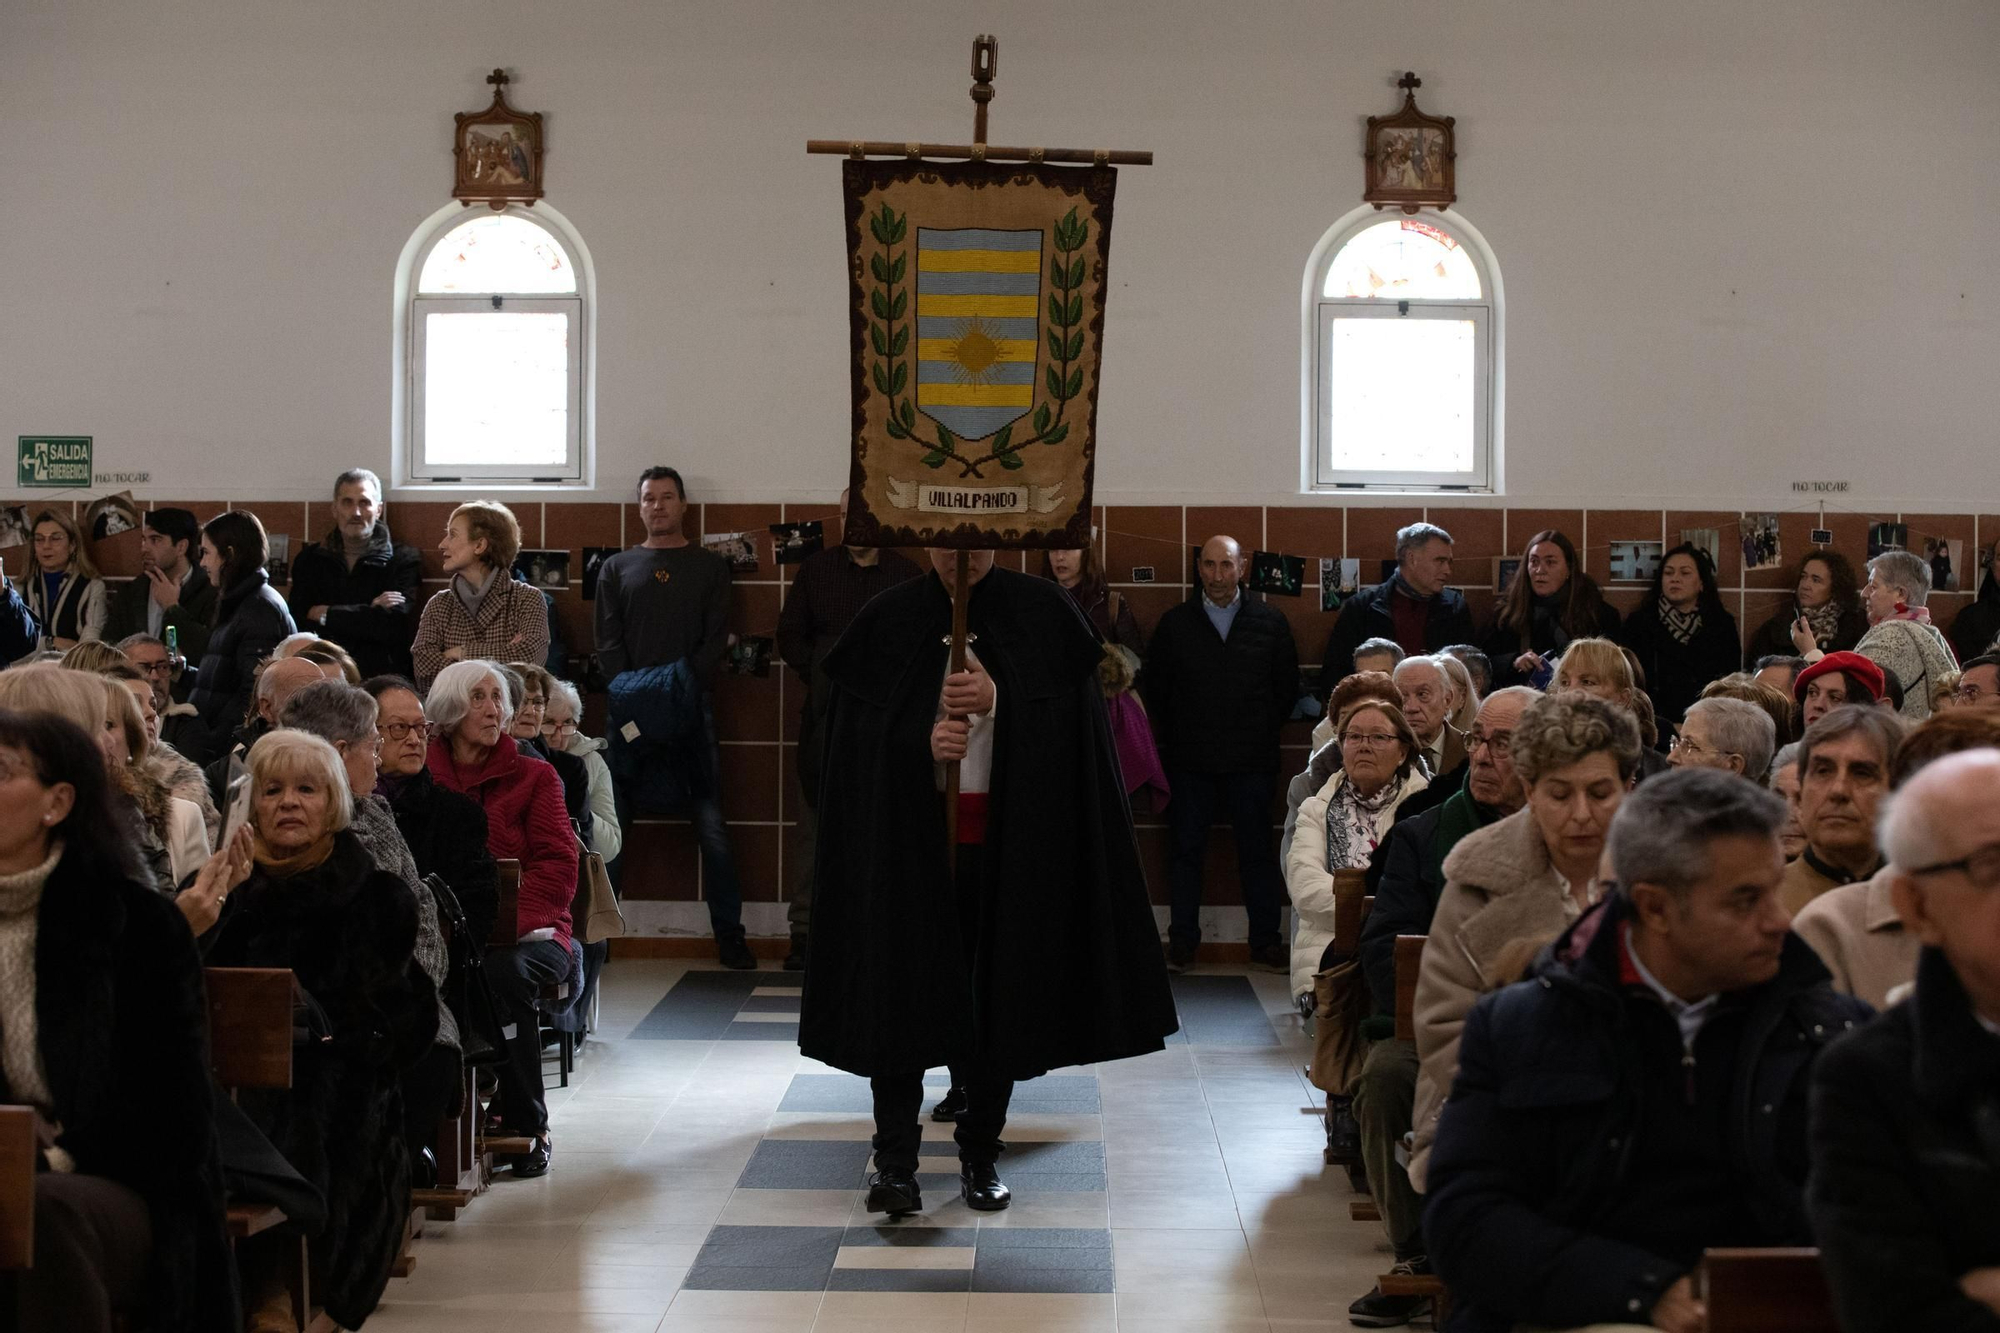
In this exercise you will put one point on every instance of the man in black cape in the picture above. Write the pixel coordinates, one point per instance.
(1035, 947)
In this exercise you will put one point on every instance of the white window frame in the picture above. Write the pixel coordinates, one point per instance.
(409, 463)
(421, 307)
(1317, 474)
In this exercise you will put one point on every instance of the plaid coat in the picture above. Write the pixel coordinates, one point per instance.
(513, 626)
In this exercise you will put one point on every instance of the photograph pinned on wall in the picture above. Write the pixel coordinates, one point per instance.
(1635, 562)
(278, 568)
(1946, 556)
(749, 655)
(1887, 537)
(1505, 567)
(1329, 583)
(793, 542)
(1708, 540)
(13, 526)
(547, 570)
(110, 515)
(1761, 547)
(738, 548)
(1277, 575)
(593, 563)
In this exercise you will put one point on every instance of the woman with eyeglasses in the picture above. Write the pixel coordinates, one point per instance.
(1550, 603)
(446, 832)
(1340, 826)
(560, 729)
(536, 685)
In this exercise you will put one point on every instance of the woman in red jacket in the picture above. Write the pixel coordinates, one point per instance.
(473, 754)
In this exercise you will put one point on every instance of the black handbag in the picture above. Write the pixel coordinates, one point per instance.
(481, 1035)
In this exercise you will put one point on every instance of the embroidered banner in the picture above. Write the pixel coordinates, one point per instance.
(977, 319)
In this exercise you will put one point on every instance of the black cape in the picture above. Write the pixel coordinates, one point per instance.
(1069, 969)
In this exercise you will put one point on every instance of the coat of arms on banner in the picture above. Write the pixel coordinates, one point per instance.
(977, 311)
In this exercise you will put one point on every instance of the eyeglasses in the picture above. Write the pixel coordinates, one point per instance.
(159, 668)
(1972, 694)
(1499, 740)
(558, 728)
(1982, 867)
(398, 731)
(1370, 740)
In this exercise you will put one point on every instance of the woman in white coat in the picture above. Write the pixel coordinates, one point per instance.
(562, 720)
(1340, 825)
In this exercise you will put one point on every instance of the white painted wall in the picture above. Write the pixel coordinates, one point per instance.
(1741, 243)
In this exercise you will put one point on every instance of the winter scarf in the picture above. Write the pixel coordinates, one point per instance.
(1824, 621)
(1682, 625)
(1351, 838)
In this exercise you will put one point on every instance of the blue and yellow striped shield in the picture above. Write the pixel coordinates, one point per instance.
(978, 321)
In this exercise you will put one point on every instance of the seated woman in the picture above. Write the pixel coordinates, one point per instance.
(445, 832)
(1684, 637)
(173, 822)
(1550, 603)
(174, 771)
(1340, 825)
(344, 717)
(1600, 668)
(1825, 615)
(1325, 757)
(107, 1038)
(472, 753)
(63, 590)
(532, 686)
(317, 904)
(562, 721)
(1532, 873)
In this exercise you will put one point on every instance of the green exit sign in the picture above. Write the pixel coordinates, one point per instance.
(54, 461)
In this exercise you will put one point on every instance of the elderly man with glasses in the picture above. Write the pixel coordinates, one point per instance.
(446, 832)
(1728, 734)
(1905, 1186)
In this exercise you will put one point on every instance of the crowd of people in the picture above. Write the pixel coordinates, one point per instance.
(1710, 869)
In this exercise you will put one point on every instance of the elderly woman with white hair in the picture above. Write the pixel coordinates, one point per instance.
(1901, 637)
(344, 716)
(472, 753)
(1729, 734)
(562, 730)
(317, 903)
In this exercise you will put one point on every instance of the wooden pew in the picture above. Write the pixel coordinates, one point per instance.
(17, 1188)
(250, 1046)
(1409, 959)
(462, 1171)
(1350, 894)
(1766, 1291)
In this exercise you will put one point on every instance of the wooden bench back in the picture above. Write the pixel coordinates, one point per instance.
(1409, 960)
(250, 1026)
(507, 921)
(17, 1188)
(1767, 1291)
(1350, 887)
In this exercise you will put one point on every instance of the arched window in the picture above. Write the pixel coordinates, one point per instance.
(496, 355)
(1401, 382)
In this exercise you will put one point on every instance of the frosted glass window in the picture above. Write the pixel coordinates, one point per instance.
(1401, 361)
(497, 364)
(1402, 260)
(497, 252)
(1402, 394)
(497, 388)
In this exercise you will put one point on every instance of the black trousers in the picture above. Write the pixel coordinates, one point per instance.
(430, 1088)
(93, 1242)
(517, 974)
(899, 1097)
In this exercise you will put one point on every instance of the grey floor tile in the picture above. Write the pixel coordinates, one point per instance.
(1044, 1238)
(722, 1277)
(1055, 1259)
(740, 1247)
(699, 1007)
(1047, 1280)
(805, 1164)
(941, 1237)
(902, 1279)
(1222, 1011)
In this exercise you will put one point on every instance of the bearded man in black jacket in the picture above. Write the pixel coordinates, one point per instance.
(1026, 946)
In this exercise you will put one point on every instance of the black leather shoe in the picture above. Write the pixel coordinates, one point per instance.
(895, 1193)
(795, 961)
(1272, 958)
(735, 954)
(1180, 957)
(981, 1188)
(951, 1108)
(424, 1169)
(534, 1162)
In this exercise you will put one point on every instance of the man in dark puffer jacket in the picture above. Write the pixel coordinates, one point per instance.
(1642, 1096)
(1221, 677)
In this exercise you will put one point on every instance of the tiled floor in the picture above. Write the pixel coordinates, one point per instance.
(707, 1177)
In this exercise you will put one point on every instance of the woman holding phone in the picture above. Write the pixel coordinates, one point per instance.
(1824, 614)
